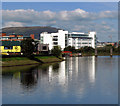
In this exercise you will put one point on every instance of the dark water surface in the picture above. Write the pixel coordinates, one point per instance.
(78, 80)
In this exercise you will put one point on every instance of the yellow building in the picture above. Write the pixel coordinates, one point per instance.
(10, 47)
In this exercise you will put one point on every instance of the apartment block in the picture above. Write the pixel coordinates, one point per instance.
(79, 40)
(64, 39)
(54, 39)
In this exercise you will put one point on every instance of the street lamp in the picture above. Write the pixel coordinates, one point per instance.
(111, 46)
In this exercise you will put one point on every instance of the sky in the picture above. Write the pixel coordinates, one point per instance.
(101, 17)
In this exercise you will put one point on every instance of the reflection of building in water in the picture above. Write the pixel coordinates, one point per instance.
(70, 66)
(91, 70)
(56, 72)
(50, 73)
(61, 73)
(29, 78)
(76, 66)
(76, 72)
(86, 66)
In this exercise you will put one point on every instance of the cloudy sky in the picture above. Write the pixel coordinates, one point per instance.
(78, 16)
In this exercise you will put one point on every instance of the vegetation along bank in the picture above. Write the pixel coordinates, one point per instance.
(21, 61)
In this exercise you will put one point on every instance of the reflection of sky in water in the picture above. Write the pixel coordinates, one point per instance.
(77, 80)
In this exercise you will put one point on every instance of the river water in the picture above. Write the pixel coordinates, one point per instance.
(78, 80)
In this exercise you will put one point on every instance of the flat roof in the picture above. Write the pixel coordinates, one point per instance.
(78, 35)
(10, 43)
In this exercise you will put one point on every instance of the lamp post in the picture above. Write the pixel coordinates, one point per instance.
(96, 53)
(111, 51)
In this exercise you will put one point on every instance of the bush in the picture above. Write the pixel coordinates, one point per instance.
(87, 49)
(70, 48)
(56, 51)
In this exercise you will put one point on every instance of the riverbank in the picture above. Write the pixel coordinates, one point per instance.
(22, 61)
(99, 54)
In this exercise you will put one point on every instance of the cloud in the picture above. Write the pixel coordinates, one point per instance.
(104, 22)
(108, 14)
(13, 24)
(29, 15)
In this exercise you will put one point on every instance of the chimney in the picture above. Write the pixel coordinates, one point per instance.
(32, 36)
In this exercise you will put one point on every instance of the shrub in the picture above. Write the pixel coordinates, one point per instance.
(56, 51)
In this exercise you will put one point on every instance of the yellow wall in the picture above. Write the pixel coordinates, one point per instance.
(15, 49)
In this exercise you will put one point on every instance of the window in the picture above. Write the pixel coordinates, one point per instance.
(8, 47)
(20, 37)
(55, 43)
(84, 43)
(54, 39)
(44, 47)
(13, 37)
(55, 36)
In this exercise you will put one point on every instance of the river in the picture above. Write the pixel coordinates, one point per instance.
(78, 80)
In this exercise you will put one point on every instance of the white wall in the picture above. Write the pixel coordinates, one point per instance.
(48, 38)
(77, 46)
(92, 34)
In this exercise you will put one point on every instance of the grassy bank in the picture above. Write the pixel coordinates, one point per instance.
(48, 59)
(21, 61)
(15, 70)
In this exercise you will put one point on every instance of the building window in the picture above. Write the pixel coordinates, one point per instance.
(55, 43)
(8, 47)
(44, 47)
(20, 37)
(84, 43)
(13, 37)
(55, 36)
(54, 39)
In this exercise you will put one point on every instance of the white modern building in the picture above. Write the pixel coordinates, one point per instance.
(64, 39)
(54, 39)
(79, 40)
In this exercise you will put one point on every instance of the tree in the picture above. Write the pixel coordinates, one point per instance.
(119, 49)
(70, 48)
(87, 49)
(27, 47)
(56, 51)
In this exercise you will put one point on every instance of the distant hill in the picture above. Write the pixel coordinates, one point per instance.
(26, 31)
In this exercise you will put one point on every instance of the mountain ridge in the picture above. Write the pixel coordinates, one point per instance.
(26, 31)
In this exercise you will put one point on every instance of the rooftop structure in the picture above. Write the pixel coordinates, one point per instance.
(14, 37)
(79, 40)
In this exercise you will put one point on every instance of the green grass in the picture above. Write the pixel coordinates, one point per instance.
(19, 61)
(14, 58)
(44, 57)
(48, 59)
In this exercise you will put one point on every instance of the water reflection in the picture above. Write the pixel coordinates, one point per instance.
(84, 65)
(71, 81)
(29, 78)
